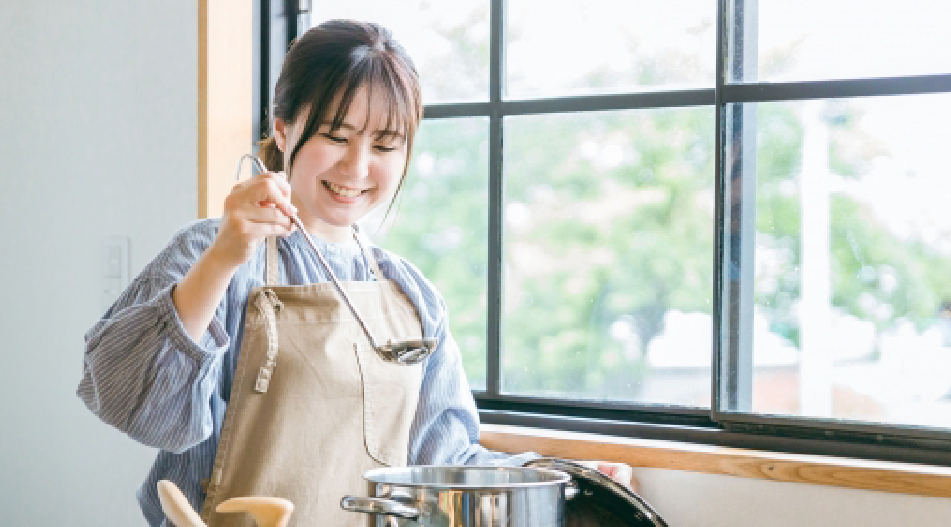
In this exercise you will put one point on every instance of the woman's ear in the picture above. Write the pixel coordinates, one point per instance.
(280, 133)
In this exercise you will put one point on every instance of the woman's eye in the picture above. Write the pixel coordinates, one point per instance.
(384, 148)
(335, 138)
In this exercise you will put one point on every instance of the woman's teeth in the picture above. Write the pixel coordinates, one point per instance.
(343, 191)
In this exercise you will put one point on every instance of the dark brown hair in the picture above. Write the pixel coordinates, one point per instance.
(337, 58)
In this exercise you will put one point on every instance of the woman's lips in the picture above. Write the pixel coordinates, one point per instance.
(345, 192)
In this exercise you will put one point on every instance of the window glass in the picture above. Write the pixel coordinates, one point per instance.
(608, 255)
(822, 39)
(448, 41)
(852, 316)
(559, 47)
(835, 244)
(439, 222)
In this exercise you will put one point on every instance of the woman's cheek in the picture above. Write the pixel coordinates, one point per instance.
(396, 172)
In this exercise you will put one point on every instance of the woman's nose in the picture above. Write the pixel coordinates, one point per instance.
(356, 161)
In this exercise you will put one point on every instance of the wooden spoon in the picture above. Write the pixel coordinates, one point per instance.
(266, 511)
(176, 507)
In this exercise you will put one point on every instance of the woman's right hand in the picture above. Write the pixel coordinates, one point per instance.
(255, 209)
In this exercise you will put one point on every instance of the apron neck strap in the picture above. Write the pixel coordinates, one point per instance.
(364, 244)
(271, 275)
(270, 261)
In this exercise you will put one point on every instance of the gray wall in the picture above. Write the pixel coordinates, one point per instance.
(97, 139)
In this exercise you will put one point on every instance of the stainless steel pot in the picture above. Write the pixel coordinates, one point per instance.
(464, 496)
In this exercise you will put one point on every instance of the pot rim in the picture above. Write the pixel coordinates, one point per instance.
(384, 476)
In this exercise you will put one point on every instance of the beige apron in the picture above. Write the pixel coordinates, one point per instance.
(312, 404)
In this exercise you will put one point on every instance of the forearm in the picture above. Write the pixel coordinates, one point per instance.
(198, 294)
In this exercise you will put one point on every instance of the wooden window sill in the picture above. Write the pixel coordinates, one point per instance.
(904, 478)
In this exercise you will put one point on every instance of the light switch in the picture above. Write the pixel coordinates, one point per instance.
(114, 276)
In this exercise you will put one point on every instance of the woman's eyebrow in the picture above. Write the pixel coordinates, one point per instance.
(388, 134)
(345, 126)
(380, 134)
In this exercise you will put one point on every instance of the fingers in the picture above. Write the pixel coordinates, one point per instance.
(255, 209)
(279, 182)
(269, 215)
(265, 229)
(619, 472)
(247, 226)
(272, 190)
(267, 191)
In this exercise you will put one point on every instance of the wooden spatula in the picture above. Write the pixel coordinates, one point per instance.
(266, 511)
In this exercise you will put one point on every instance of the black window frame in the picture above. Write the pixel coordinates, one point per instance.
(278, 22)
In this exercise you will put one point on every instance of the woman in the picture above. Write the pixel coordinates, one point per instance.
(239, 360)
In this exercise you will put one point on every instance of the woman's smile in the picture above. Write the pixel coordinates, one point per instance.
(339, 191)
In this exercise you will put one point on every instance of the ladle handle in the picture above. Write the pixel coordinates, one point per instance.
(379, 506)
(333, 278)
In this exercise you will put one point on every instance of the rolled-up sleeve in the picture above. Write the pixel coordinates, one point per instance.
(142, 372)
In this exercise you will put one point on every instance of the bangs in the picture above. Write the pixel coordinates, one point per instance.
(389, 81)
(386, 90)
(329, 64)
(387, 87)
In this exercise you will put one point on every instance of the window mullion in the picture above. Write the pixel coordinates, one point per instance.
(494, 286)
(736, 165)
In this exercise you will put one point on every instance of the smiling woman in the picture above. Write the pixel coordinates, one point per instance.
(258, 381)
(130, 69)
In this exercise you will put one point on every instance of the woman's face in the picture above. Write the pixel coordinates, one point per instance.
(340, 176)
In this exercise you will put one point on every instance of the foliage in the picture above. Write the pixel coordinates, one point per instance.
(609, 225)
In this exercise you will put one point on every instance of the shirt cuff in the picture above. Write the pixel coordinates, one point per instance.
(520, 460)
(214, 341)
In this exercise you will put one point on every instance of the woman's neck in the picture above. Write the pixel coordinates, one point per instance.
(323, 230)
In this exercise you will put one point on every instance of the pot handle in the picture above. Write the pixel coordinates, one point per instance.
(571, 490)
(378, 506)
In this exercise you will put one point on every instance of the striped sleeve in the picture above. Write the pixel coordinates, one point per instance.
(445, 430)
(446, 427)
(142, 372)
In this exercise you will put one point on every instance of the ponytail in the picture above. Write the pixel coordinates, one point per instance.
(270, 154)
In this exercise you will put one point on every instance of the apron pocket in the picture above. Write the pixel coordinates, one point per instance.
(390, 396)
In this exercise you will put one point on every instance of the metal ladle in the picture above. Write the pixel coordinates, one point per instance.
(404, 351)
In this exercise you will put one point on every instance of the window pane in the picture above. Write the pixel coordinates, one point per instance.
(440, 223)
(559, 47)
(608, 255)
(448, 41)
(851, 316)
(822, 39)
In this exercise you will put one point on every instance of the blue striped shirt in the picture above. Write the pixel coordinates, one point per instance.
(143, 374)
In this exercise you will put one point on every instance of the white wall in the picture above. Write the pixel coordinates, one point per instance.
(97, 138)
(687, 499)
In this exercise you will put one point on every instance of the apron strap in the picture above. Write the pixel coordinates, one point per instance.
(270, 261)
(364, 244)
